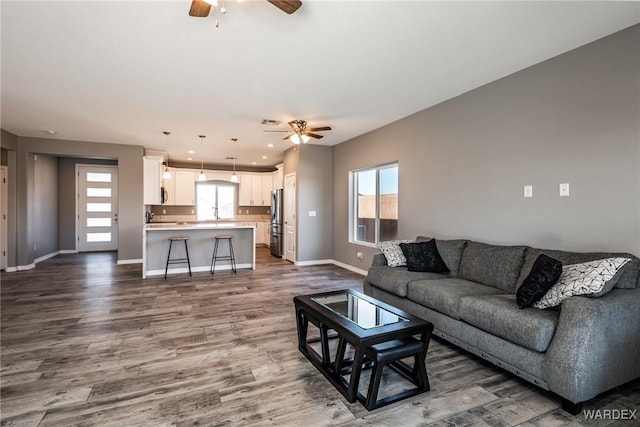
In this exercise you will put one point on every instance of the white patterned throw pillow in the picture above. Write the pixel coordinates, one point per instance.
(393, 253)
(581, 279)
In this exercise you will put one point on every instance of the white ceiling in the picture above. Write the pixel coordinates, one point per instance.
(123, 72)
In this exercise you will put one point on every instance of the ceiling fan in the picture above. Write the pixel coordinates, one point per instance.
(300, 132)
(201, 8)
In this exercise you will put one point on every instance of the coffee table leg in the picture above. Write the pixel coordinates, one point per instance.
(324, 340)
(356, 368)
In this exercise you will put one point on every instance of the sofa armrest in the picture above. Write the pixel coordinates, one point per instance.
(596, 345)
(379, 259)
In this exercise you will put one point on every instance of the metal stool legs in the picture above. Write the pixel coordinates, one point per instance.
(231, 257)
(177, 260)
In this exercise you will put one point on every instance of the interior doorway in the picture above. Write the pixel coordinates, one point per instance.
(97, 209)
(290, 217)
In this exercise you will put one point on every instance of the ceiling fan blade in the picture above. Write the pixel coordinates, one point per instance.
(314, 135)
(199, 8)
(271, 130)
(287, 6)
(287, 137)
(319, 129)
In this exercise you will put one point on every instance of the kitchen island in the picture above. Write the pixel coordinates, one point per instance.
(155, 246)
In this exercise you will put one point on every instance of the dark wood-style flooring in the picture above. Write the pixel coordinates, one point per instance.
(89, 342)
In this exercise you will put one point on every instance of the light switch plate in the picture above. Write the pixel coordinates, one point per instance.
(564, 190)
(312, 213)
(528, 191)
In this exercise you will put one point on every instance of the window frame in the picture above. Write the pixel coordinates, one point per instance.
(353, 202)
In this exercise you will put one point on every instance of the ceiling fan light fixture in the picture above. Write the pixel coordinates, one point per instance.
(295, 138)
(305, 138)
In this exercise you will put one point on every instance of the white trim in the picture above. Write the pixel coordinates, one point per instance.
(194, 269)
(350, 267)
(331, 261)
(315, 262)
(129, 261)
(25, 267)
(68, 251)
(11, 269)
(46, 257)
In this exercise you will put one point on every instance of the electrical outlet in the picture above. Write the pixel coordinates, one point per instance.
(360, 255)
(247, 211)
(164, 211)
(192, 211)
(528, 191)
(564, 190)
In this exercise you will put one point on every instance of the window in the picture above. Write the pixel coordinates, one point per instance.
(215, 200)
(375, 204)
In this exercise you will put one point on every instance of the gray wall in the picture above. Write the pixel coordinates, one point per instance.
(315, 193)
(9, 144)
(131, 208)
(45, 205)
(463, 163)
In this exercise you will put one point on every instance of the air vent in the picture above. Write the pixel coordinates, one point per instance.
(270, 122)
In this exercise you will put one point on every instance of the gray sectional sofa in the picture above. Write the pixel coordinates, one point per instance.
(578, 350)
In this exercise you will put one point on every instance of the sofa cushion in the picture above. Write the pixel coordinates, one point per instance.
(395, 279)
(444, 295)
(588, 278)
(450, 251)
(500, 316)
(627, 278)
(393, 253)
(544, 274)
(423, 256)
(492, 265)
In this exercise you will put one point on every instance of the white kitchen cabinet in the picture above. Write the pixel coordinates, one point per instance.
(255, 190)
(152, 172)
(267, 186)
(260, 233)
(185, 187)
(267, 234)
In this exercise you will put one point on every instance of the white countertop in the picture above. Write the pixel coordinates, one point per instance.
(197, 226)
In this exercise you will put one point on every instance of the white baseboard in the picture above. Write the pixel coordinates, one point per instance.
(130, 261)
(313, 262)
(350, 267)
(46, 257)
(185, 270)
(25, 267)
(68, 251)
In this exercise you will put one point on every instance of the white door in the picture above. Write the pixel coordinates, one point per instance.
(97, 208)
(290, 217)
(3, 218)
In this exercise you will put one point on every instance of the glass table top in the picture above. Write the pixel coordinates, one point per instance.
(363, 313)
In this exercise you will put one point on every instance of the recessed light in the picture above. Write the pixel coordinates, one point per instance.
(191, 152)
(50, 132)
(189, 158)
(264, 157)
(270, 145)
(254, 163)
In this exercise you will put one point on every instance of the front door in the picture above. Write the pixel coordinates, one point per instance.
(97, 208)
(290, 217)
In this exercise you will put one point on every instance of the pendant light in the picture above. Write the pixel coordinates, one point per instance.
(234, 177)
(202, 176)
(167, 174)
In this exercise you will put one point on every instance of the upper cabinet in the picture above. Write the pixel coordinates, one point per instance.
(255, 189)
(152, 170)
(185, 187)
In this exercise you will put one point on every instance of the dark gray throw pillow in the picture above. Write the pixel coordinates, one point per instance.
(545, 272)
(423, 256)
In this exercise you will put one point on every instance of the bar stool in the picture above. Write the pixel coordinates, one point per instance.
(229, 257)
(177, 260)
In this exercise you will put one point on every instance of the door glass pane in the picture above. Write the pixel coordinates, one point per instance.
(388, 203)
(98, 222)
(366, 206)
(98, 192)
(98, 207)
(98, 177)
(98, 237)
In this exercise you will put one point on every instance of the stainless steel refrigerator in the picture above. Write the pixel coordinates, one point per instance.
(276, 223)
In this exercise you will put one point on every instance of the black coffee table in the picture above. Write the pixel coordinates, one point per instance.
(379, 333)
